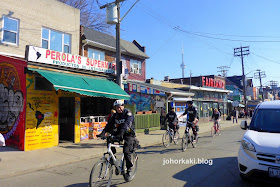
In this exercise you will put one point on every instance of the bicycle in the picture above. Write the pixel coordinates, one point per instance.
(215, 129)
(103, 169)
(189, 138)
(169, 136)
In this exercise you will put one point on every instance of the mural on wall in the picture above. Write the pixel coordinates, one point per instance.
(158, 104)
(41, 117)
(12, 102)
(142, 102)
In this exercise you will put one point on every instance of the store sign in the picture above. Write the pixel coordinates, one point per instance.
(46, 56)
(215, 83)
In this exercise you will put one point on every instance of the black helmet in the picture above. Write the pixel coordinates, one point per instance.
(171, 108)
(190, 102)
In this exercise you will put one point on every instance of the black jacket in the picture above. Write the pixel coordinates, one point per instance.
(216, 116)
(192, 112)
(171, 118)
(121, 124)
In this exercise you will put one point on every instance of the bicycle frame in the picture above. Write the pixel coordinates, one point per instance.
(119, 168)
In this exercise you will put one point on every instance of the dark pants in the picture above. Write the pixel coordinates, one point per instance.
(128, 150)
(190, 124)
(173, 127)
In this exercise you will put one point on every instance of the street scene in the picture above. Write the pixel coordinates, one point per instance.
(139, 92)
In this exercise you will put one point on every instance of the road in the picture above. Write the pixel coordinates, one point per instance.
(158, 166)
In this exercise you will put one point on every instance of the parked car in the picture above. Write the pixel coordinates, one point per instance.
(259, 153)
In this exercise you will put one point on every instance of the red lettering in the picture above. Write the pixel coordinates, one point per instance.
(57, 56)
(106, 65)
(48, 52)
(53, 55)
(63, 56)
(95, 63)
(68, 58)
(110, 65)
(79, 60)
(102, 64)
(73, 59)
(207, 82)
(203, 81)
(99, 63)
(87, 63)
(211, 82)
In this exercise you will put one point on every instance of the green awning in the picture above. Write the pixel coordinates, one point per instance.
(84, 85)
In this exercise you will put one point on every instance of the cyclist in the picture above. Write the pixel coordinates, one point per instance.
(172, 120)
(216, 116)
(122, 128)
(192, 118)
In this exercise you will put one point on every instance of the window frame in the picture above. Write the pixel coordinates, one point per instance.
(17, 33)
(93, 54)
(135, 70)
(62, 40)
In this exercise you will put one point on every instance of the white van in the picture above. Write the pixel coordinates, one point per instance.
(259, 153)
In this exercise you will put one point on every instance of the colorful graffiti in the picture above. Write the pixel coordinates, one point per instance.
(41, 117)
(12, 103)
(146, 102)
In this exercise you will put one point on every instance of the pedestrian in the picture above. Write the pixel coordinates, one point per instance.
(234, 115)
(110, 115)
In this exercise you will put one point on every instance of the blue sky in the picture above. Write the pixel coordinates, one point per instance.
(154, 24)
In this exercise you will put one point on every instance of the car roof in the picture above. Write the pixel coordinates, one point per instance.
(269, 104)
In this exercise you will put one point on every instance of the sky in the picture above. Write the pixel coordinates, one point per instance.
(207, 31)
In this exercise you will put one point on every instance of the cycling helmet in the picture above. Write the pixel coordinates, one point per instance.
(190, 102)
(118, 103)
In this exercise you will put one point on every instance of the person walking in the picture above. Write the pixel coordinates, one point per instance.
(234, 115)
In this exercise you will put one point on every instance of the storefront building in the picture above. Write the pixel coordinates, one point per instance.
(209, 93)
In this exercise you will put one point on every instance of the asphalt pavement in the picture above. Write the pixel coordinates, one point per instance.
(14, 162)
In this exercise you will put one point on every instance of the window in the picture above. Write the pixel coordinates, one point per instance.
(135, 67)
(96, 54)
(10, 30)
(56, 41)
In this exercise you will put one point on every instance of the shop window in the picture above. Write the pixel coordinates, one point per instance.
(10, 30)
(41, 83)
(56, 40)
(135, 66)
(96, 54)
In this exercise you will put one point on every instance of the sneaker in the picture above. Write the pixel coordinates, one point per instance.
(129, 172)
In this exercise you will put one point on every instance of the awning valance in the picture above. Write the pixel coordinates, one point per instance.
(84, 85)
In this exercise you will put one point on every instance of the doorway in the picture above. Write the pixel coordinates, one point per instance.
(66, 119)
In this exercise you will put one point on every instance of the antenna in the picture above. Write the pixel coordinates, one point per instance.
(183, 66)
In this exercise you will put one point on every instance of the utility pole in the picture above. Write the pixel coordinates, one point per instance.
(242, 51)
(260, 75)
(273, 85)
(118, 43)
(224, 70)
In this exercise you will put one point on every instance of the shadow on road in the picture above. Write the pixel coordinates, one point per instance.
(223, 172)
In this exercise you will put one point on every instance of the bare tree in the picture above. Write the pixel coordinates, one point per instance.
(90, 15)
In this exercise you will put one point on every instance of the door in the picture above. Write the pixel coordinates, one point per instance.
(66, 118)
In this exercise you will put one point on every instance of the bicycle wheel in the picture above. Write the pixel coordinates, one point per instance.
(176, 137)
(134, 159)
(213, 131)
(185, 142)
(101, 174)
(166, 139)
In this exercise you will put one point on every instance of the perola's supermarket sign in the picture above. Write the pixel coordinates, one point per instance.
(46, 56)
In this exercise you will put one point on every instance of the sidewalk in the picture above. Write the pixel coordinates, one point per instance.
(14, 162)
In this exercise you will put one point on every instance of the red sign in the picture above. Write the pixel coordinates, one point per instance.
(215, 83)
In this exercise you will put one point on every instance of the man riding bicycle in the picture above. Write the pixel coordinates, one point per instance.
(192, 118)
(216, 116)
(172, 120)
(122, 128)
